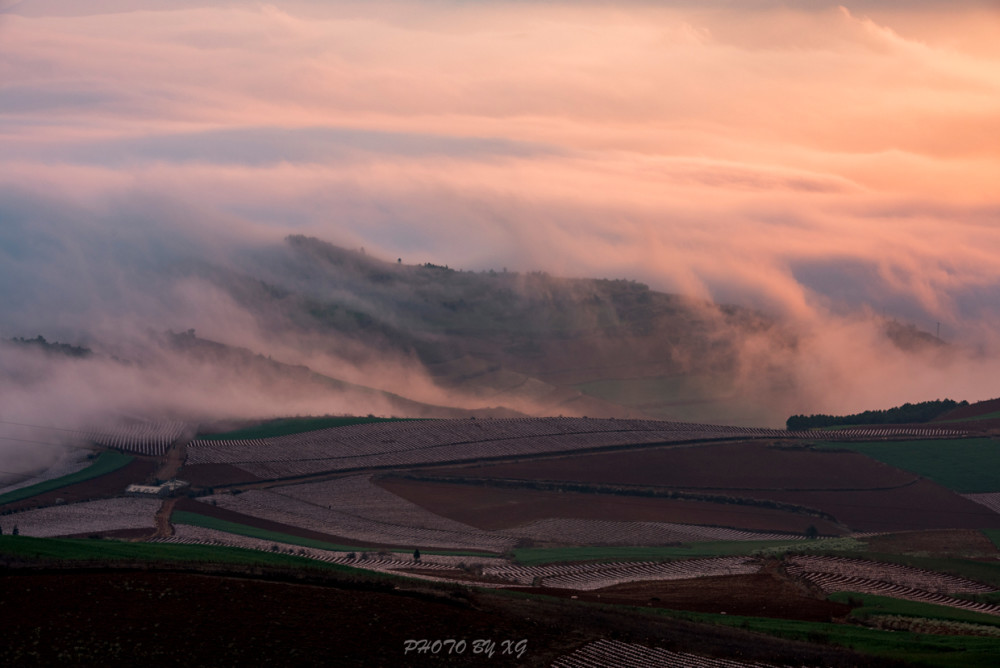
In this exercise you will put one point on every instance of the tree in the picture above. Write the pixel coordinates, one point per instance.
(15, 532)
(416, 554)
(812, 532)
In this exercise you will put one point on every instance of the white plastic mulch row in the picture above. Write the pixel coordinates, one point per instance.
(614, 654)
(85, 517)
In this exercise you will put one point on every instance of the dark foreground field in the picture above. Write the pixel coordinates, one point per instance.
(119, 616)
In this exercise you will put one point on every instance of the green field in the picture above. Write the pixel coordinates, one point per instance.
(198, 520)
(912, 648)
(884, 605)
(297, 425)
(106, 462)
(114, 550)
(968, 465)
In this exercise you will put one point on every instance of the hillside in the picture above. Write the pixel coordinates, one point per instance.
(528, 342)
(306, 327)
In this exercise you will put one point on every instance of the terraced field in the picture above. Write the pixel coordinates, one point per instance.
(725, 510)
(398, 444)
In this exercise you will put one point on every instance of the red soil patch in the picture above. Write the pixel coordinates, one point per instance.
(922, 505)
(962, 543)
(108, 485)
(756, 595)
(210, 475)
(971, 411)
(861, 493)
(748, 465)
(493, 508)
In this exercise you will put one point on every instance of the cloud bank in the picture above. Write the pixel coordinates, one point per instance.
(826, 163)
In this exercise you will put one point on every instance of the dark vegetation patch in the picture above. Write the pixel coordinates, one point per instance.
(53, 347)
(924, 411)
(122, 617)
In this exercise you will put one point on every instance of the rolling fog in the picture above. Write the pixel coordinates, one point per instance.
(832, 167)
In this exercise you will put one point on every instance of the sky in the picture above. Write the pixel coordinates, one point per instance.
(822, 162)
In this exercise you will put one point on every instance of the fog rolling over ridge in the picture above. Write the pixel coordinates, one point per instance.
(724, 212)
(301, 326)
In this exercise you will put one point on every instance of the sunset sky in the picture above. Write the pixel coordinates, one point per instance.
(803, 157)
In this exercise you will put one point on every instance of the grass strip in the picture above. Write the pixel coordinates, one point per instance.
(871, 605)
(106, 462)
(968, 465)
(916, 649)
(77, 549)
(298, 425)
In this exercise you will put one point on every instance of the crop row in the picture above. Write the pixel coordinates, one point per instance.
(608, 532)
(586, 577)
(408, 443)
(144, 438)
(382, 562)
(603, 652)
(415, 442)
(669, 570)
(831, 582)
(83, 518)
(905, 576)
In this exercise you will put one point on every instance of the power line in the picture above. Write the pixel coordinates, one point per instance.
(55, 445)
(38, 426)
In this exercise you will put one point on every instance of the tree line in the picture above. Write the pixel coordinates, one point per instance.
(924, 411)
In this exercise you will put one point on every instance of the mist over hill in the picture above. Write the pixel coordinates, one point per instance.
(307, 327)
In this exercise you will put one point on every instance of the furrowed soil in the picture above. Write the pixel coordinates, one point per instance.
(959, 544)
(118, 618)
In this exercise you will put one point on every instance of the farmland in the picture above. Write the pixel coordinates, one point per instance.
(564, 512)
